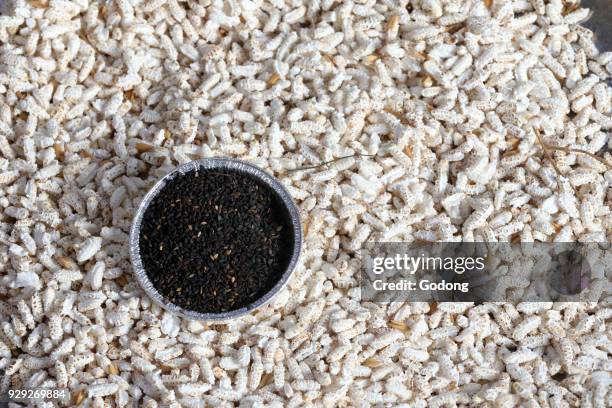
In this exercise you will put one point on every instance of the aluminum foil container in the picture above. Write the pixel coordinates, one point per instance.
(215, 164)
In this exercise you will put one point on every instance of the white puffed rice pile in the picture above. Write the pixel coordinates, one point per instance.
(445, 109)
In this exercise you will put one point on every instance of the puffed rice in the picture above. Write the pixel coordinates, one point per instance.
(426, 115)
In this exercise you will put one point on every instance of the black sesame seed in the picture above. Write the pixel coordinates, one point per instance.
(215, 241)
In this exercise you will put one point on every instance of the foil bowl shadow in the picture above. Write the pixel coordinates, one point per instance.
(220, 164)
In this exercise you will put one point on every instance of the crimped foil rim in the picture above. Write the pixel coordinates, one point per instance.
(215, 163)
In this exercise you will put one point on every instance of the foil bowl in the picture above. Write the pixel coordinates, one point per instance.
(219, 164)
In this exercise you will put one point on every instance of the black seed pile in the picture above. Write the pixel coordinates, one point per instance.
(215, 241)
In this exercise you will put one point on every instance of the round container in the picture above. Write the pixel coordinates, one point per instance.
(215, 164)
